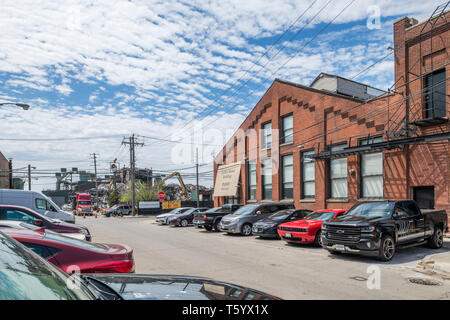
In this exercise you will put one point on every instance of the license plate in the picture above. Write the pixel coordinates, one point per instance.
(287, 235)
(340, 247)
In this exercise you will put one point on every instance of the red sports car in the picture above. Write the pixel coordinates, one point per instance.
(308, 229)
(73, 255)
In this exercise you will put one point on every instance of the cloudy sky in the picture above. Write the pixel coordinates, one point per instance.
(189, 71)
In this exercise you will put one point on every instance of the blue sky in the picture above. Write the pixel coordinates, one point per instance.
(163, 68)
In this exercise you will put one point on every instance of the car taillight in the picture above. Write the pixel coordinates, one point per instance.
(125, 266)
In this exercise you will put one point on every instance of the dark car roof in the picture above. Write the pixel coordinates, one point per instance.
(170, 287)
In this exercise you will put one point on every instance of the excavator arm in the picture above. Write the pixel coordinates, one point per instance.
(180, 180)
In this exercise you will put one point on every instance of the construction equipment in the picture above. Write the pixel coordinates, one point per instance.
(180, 180)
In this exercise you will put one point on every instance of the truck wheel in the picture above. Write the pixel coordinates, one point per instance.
(246, 229)
(184, 223)
(437, 239)
(387, 248)
(208, 228)
(318, 239)
(216, 226)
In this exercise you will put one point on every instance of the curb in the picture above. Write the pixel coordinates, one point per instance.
(430, 265)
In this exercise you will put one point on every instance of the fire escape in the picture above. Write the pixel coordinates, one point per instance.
(409, 121)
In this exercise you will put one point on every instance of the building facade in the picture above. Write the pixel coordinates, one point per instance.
(335, 142)
(4, 172)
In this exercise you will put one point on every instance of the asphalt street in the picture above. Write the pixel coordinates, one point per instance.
(286, 271)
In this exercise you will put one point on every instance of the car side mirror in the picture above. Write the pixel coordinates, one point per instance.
(38, 222)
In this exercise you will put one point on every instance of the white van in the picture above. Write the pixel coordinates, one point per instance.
(35, 201)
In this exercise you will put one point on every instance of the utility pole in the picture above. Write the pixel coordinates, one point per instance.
(29, 177)
(196, 169)
(94, 156)
(132, 142)
(10, 174)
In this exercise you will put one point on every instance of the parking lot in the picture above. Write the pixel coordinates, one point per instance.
(286, 271)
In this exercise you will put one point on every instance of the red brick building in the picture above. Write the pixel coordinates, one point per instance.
(337, 141)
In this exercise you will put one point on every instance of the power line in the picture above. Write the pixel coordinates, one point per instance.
(292, 57)
(255, 63)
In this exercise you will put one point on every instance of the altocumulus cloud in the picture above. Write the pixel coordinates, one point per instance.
(115, 67)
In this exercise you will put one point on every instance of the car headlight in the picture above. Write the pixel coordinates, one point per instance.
(368, 229)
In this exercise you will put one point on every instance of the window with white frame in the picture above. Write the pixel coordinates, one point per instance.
(266, 173)
(338, 174)
(251, 180)
(371, 171)
(308, 175)
(266, 138)
(287, 176)
(288, 128)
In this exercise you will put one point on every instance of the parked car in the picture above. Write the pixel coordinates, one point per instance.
(198, 217)
(22, 214)
(210, 218)
(241, 221)
(379, 228)
(267, 228)
(65, 252)
(27, 276)
(35, 201)
(185, 218)
(118, 210)
(163, 218)
(27, 226)
(308, 230)
(67, 207)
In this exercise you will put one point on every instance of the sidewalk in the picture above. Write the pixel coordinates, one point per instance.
(438, 263)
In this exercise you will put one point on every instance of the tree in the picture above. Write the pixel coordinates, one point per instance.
(114, 198)
(143, 192)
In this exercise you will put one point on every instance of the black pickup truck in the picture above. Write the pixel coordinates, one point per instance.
(379, 228)
(211, 218)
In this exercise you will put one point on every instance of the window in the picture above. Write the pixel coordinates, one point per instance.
(43, 204)
(288, 129)
(308, 175)
(251, 173)
(266, 169)
(338, 175)
(435, 106)
(43, 251)
(287, 177)
(266, 139)
(371, 171)
(16, 215)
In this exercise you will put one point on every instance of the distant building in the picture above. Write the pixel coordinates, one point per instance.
(4, 172)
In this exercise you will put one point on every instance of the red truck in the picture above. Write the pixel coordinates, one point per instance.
(83, 204)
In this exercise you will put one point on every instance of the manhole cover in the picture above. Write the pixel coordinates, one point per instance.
(425, 282)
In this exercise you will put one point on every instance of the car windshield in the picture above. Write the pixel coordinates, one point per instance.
(214, 210)
(245, 209)
(84, 202)
(75, 242)
(188, 211)
(281, 215)
(25, 276)
(372, 209)
(321, 216)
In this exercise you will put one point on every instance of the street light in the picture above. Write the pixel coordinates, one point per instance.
(24, 106)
